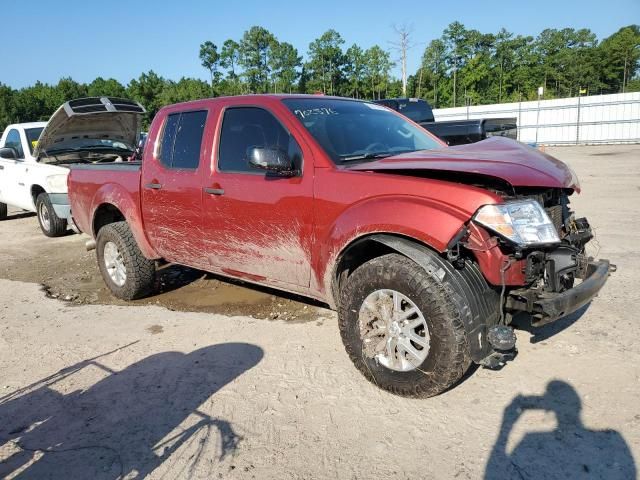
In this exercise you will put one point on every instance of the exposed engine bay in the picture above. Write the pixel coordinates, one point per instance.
(555, 270)
(85, 156)
(550, 270)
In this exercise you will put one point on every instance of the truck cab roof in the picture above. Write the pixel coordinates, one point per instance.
(26, 125)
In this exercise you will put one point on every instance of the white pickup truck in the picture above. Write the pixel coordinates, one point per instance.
(35, 157)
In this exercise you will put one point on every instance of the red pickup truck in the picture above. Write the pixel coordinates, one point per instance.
(426, 251)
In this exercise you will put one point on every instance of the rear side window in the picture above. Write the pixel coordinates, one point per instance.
(416, 110)
(168, 137)
(182, 140)
(246, 127)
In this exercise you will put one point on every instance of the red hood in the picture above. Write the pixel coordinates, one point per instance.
(498, 157)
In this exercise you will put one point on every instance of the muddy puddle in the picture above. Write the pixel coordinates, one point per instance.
(69, 273)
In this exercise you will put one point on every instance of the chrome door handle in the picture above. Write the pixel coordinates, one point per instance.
(154, 186)
(214, 191)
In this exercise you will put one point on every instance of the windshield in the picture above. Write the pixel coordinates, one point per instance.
(33, 134)
(350, 130)
(76, 144)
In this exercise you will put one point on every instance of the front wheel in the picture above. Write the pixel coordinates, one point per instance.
(50, 223)
(127, 273)
(401, 328)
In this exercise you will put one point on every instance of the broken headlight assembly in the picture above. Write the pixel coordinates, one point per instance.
(523, 222)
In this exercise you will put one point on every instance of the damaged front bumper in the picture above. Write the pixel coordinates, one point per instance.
(546, 307)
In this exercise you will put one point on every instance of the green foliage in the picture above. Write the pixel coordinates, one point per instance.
(324, 67)
(620, 54)
(432, 71)
(378, 68)
(284, 63)
(210, 59)
(255, 50)
(229, 59)
(184, 90)
(355, 69)
(147, 89)
(110, 87)
(461, 67)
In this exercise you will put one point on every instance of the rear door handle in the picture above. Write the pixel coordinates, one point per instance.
(154, 186)
(214, 191)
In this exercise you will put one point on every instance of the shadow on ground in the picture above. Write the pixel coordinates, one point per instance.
(125, 424)
(569, 451)
(18, 215)
(540, 334)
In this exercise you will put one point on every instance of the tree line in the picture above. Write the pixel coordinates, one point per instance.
(462, 67)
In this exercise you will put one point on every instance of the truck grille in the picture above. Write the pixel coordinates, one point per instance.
(555, 214)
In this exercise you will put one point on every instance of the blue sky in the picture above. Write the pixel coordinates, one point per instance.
(45, 40)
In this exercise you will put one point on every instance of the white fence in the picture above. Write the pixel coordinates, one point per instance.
(577, 120)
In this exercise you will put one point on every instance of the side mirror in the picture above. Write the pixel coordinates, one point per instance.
(8, 153)
(271, 159)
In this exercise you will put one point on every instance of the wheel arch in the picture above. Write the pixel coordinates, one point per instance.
(370, 246)
(107, 212)
(36, 189)
(477, 301)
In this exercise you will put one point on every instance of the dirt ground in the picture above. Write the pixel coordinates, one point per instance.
(210, 379)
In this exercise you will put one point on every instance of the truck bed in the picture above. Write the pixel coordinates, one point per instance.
(114, 179)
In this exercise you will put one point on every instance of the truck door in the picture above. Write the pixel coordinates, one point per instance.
(171, 187)
(13, 189)
(255, 224)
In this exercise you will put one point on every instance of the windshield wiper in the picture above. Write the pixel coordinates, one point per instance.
(365, 156)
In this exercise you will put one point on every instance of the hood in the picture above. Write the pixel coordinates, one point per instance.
(497, 157)
(103, 118)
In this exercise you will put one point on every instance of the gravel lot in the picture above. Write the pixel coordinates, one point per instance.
(215, 380)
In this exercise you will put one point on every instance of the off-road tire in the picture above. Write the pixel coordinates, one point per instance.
(3, 211)
(448, 357)
(57, 226)
(140, 270)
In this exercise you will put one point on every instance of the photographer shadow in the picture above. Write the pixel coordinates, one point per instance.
(128, 423)
(568, 451)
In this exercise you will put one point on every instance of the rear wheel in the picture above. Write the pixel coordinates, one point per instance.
(401, 328)
(127, 273)
(3, 211)
(50, 223)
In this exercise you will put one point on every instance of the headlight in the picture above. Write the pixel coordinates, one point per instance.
(57, 183)
(523, 222)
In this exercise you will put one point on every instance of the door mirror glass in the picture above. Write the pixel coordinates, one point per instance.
(270, 159)
(8, 153)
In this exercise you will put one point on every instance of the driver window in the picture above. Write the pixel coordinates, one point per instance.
(13, 141)
(246, 127)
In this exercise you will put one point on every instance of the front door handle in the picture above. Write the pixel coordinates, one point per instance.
(214, 191)
(1, 167)
(154, 186)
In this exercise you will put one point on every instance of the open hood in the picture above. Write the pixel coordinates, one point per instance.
(103, 118)
(497, 157)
